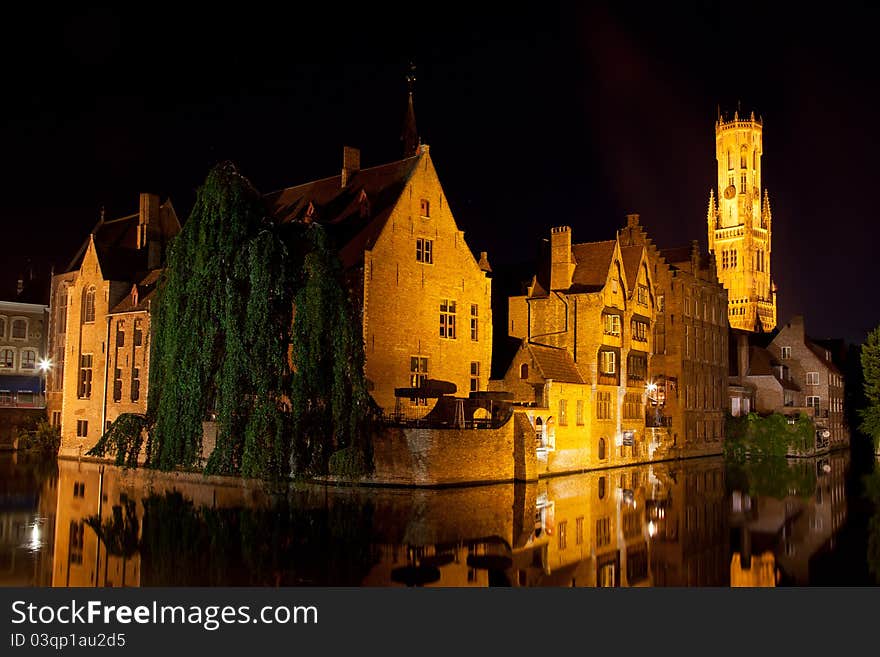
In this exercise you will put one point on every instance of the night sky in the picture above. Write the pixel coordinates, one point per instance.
(536, 116)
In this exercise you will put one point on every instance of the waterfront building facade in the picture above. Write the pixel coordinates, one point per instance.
(99, 329)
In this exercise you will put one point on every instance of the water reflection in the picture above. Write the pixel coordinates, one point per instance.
(688, 523)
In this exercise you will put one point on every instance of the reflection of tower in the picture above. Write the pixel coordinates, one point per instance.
(739, 224)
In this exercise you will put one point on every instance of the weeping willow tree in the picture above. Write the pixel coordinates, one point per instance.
(221, 331)
(332, 408)
(255, 331)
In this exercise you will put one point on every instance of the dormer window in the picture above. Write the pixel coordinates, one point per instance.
(425, 208)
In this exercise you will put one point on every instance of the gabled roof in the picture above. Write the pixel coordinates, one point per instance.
(819, 352)
(555, 363)
(762, 363)
(355, 214)
(592, 262)
(145, 288)
(632, 258)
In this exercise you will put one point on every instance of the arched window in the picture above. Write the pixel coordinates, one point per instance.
(62, 310)
(524, 371)
(602, 487)
(539, 431)
(601, 449)
(743, 157)
(2, 327)
(7, 358)
(88, 305)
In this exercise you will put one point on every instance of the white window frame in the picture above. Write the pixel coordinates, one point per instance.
(21, 353)
(812, 378)
(4, 322)
(10, 367)
(817, 404)
(611, 323)
(786, 352)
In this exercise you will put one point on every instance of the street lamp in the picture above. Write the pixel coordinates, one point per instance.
(45, 365)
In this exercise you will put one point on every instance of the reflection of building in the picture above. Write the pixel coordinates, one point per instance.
(795, 521)
(99, 326)
(739, 224)
(755, 571)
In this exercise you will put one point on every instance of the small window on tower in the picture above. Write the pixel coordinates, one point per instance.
(425, 208)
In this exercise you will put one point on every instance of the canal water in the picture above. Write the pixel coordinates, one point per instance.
(696, 522)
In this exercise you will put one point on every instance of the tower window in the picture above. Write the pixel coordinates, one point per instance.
(743, 183)
(425, 208)
(743, 157)
(88, 305)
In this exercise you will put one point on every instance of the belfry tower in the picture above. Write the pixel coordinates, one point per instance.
(740, 225)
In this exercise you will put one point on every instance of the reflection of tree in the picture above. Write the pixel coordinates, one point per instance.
(119, 533)
(773, 477)
(872, 491)
(295, 541)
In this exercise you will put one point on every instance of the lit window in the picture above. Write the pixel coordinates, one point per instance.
(424, 250)
(608, 362)
(447, 319)
(418, 375)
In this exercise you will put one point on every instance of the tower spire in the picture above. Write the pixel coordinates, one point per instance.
(410, 136)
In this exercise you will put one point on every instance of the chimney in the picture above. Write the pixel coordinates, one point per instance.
(19, 288)
(484, 262)
(742, 355)
(561, 265)
(632, 220)
(351, 163)
(148, 229)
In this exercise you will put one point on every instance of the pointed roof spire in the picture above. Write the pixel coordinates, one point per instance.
(410, 136)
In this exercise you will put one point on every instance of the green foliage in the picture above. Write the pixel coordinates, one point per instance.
(40, 436)
(221, 330)
(329, 393)
(870, 415)
(124, 439)
(772, 436)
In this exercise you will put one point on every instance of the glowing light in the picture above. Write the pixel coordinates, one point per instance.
(652, 528)
(652, 387)
(34, 543)
(45, 364)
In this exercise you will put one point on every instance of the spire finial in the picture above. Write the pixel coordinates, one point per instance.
(410, 136)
